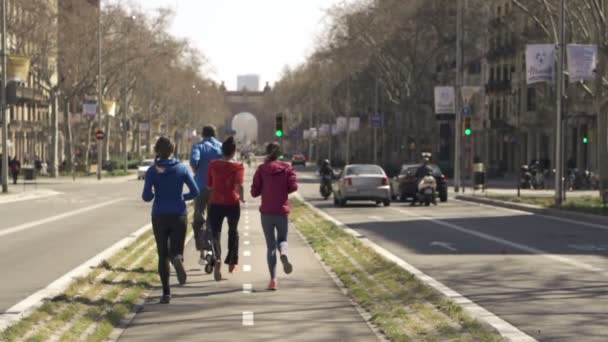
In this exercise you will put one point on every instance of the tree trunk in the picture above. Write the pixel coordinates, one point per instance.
(54, 158)
(106, 141)
(87, 160)
(69, 140)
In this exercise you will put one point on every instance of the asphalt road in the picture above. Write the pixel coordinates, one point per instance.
(548, 277)
(43, 239)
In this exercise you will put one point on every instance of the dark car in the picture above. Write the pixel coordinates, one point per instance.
(298, 159)
(405, 185)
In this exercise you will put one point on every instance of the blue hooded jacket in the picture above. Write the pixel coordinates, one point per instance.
(201, 156)
(165, 184)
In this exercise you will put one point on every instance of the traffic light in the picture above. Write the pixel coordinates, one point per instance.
(278, 125)
(585, 139)
(467, 127)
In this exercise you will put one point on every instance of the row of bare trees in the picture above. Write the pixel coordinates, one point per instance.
(153, 76)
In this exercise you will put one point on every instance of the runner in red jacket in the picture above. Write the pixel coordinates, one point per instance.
(274, 181)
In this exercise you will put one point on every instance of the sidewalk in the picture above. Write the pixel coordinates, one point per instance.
(307, 307)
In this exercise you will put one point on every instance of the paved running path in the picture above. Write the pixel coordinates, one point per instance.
(307, 307)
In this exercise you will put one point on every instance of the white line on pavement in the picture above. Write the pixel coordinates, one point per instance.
(30, 196)
(248, 318)
(246, 227)
(247, 268)
(247, 288)
(503, 327)
(35, 300)
(376, 218)
(246, 234)
(246, 243)
(501, 241)
(33, 224)
(247, 253)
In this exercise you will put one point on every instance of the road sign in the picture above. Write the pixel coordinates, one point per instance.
(376, 120)
(100, 135)
(466, 110)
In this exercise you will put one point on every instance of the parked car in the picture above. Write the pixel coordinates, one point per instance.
(362, 182)
(405, 185)
(298, 159)
(143, 167)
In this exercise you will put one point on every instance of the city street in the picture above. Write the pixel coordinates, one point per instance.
(43, 239)
(545, 276)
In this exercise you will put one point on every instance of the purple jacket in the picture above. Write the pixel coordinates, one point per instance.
(274, 180)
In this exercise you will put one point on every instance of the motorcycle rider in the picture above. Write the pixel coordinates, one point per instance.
(326, 173)
(422, 171)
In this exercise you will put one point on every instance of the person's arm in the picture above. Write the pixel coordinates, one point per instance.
(209, 180)
(148, 194)
(240, 179)
(194, 190)
(292, 182)
(256, 185)
(195, 157)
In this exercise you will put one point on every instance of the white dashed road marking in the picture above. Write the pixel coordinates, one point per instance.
(248, 318)
(247, 288)
(247, 243)
(247, 268)
(247, 253)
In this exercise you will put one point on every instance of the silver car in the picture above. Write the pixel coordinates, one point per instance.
(362, 183)
(143, 167)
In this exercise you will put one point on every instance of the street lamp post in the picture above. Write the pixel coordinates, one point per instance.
(458, 99)
(559, 167)
(3, 104)
(99, 92)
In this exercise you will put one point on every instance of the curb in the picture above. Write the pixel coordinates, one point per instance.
(483, 316)
(534, 209)
(28, 305)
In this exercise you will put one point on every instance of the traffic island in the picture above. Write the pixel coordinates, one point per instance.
(93, 306)
(401, 306)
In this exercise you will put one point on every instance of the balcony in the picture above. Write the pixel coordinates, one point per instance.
(498, 86)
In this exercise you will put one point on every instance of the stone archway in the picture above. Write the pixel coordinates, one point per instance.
(245, 126)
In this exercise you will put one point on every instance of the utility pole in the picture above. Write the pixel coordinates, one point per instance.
(559, 167)
(348, 108)
(99, 94)
(458, 99)
(3, 104)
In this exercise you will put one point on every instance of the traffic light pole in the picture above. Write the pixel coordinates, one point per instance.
(4, 161)
(458, 100)
(559, 165)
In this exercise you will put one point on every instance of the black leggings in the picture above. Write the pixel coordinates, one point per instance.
(170, 234)
(215, 218)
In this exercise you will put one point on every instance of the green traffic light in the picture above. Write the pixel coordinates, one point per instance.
(279, 133)
(468, 132)
(585, 140)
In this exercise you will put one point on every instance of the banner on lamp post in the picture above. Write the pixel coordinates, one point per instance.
(445, 100)
(341, 124)
(306, 134)
(354, 124)
(18, 68)
(468, 92)
(109, 107)
(540, 63)
(324, 130)
(334, 129)
(582, 61)
(313, 133)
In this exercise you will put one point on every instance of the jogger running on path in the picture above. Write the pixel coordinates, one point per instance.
(202, 154)
(164, 184)
(274, 181)
(225, 181)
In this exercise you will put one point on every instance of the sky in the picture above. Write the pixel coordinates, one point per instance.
(248, 36)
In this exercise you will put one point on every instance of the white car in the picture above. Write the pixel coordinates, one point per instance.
(362, 183)
(143, 167)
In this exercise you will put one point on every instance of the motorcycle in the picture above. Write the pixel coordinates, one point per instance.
(525, 177)
(325, 188)
(427, 193)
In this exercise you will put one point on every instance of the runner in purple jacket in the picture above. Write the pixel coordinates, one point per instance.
(274, 181)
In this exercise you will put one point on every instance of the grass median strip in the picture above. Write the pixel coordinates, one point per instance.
(92, 306)
(587, 204)
(402, 307)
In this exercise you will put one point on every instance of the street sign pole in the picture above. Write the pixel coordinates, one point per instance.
(4, 161)
(375, 128)
(99, 92)
(559, 98)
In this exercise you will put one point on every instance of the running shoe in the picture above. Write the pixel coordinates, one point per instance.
(274, 285)
(178, 263)
(217, 272)
(165, 299)
(232, 268)
(287, 268)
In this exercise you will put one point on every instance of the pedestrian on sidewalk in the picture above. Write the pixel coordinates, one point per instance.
(225, 182)
(164, 184)
(15, 167)
(201, 155)
(274, 181)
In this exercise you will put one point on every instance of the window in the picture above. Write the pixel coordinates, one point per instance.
(492, 74)
(475, 68)
(531, 100)
(505, 73)
(498, 109)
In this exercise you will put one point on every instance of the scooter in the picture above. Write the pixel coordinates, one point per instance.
(325, 188)
(427, 193)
